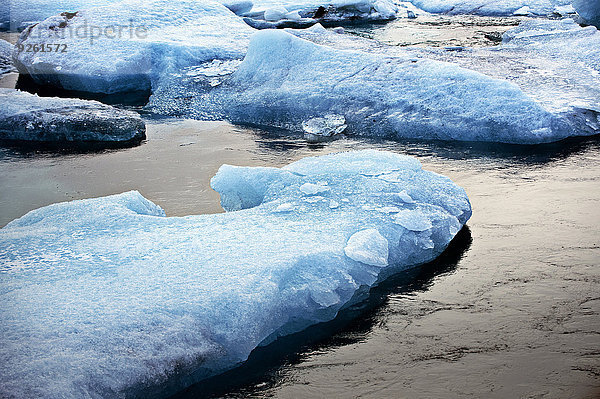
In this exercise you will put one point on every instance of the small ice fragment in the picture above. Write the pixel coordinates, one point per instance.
(275, 14)
(312, 189)
(404, 197)
(287, 207)
(333, 204)
(413, 220)
(339, 29)
(369, 247)
(293, 16)
(523, 11)
(410, 14)
(328, 126)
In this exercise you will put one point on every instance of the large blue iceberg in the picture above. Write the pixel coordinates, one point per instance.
(107, 296)
(285, 82)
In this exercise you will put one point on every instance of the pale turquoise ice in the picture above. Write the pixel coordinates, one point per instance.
(104, 296)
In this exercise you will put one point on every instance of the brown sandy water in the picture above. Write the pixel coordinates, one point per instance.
(516, 315)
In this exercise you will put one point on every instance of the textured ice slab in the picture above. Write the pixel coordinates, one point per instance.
(108, 295)
(27, 117)
(493, 8)
(285, 81)
(130, 45)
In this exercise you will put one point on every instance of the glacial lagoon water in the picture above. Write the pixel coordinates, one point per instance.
(511, 310)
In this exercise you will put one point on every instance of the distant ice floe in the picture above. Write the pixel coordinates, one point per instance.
(108, 297)
(285, 81)
(130, 45)
(494, 8)
(27, 117)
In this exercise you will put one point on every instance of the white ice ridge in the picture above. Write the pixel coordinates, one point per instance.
(107, 296)
(285, 81)
(130, 45)
(493, 8)
(27, 117)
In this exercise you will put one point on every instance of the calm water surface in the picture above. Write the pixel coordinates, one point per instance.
(511, 311)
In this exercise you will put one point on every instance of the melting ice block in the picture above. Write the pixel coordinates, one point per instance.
(27, 117)
(105, 296)
(129, 46)
(285, 81)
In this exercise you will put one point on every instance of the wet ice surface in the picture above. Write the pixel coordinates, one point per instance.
(517, 315)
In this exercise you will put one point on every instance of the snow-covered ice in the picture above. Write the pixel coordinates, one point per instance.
(492, 8)
(129, 46)
(107, 296)
(27, 117)
(285, 81)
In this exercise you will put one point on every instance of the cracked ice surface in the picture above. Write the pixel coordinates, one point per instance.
(108, 295)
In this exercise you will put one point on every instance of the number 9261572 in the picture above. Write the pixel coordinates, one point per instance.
(42, 48)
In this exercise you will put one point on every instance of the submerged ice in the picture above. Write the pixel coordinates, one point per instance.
(108, 296)
(27, 117)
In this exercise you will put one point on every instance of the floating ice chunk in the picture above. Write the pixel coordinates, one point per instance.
(312, 189)
(275, 14)
(284, 81)
(238, 7)
(27, 117)
(323, 127)
(131, 45)
(411, 220)
(369, 247)
(334, 204)
(107, 297)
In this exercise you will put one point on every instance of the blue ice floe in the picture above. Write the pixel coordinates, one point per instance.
(108, 296)
(285, 82)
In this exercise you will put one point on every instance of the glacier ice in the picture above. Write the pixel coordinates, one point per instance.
(492, 8)
(285, 81)
(107, 296)
(129, 46)
(27, 117)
